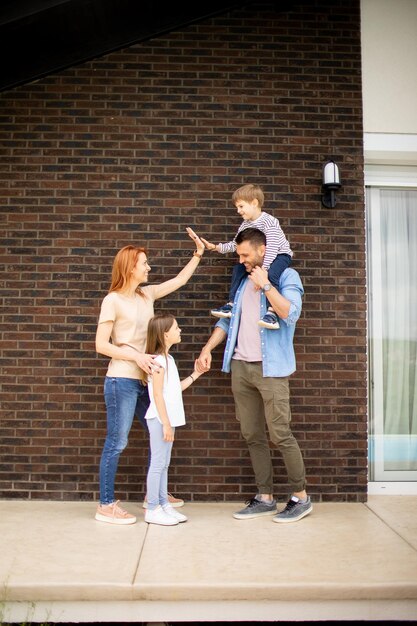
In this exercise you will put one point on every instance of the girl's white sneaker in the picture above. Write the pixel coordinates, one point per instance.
(175, 514)
(159, 516)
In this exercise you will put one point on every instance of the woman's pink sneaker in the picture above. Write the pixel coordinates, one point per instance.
(114, 514)
(173, 501)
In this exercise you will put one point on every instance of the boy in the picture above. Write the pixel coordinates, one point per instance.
(249, 200)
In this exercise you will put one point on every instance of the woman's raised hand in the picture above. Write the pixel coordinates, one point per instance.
(198, 243)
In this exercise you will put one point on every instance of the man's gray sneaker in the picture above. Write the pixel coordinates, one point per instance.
(256, 508)
(294, 510)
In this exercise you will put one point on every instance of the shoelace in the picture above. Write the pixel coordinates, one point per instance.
(118, 510)
(290, 505)
(252, 502)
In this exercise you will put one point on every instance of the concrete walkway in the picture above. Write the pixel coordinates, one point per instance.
(342, 562)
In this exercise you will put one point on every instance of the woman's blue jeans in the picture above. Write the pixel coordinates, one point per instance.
(125, 398)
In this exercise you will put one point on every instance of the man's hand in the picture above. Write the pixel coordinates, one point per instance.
(203, 363)
(259, 276)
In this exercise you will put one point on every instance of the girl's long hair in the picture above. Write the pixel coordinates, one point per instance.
(123, 264)
(155, 340)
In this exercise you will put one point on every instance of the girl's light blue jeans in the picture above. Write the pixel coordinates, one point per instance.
(125, 398)
(157, 480)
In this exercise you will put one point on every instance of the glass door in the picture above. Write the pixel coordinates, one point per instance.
(391, 227)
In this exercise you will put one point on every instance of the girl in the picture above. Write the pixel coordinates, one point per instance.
(166, 411)
(121, 336)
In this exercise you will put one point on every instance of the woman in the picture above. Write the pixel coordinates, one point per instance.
(121, 335)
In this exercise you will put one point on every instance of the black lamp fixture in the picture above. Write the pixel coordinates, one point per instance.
(331, 182)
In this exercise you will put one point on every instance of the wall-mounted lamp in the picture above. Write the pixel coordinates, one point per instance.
(331, 182)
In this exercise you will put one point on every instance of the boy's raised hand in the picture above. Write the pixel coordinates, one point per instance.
(209, 246)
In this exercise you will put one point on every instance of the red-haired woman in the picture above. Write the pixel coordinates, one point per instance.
(121, 335)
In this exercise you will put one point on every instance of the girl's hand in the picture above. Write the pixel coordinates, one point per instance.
(198, 243)
(168, 432)
(203, 363)
(196, 374)
(147, 362)
(208, 244)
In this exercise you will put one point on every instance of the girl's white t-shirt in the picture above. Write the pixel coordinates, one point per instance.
(171, 391)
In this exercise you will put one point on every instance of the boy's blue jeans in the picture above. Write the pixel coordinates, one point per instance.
(125, 398)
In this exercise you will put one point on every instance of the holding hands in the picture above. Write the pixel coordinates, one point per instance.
(191, 378)
(203, 363)
(197, 371)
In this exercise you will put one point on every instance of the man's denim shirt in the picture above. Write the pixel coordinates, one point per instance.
(278, 357)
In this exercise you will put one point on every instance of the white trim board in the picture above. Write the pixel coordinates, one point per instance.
(221, 611)
(381, 175)
(408, 488)
(390, 148)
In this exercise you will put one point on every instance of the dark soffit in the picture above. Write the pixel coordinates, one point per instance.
(42, 37)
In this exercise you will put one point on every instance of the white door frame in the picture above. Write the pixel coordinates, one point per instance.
(391, 161)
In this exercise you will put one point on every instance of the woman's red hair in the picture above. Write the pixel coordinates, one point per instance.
(123, 264)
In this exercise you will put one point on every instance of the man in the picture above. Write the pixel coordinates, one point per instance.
(261, 362)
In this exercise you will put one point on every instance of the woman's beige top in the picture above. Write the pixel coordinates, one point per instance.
(130, 317)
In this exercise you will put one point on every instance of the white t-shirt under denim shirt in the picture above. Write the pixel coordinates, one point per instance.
(248, 346)
(171, 391)
(278, 356)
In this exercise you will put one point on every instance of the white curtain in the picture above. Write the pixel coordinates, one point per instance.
(398, 258)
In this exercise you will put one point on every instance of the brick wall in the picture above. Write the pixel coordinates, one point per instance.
(132, 148)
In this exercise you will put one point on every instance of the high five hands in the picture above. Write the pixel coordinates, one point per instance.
(200, 247)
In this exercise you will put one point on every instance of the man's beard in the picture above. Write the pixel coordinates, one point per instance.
(257, 262)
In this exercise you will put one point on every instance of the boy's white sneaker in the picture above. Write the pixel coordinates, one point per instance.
(175, 514)
(269, 320)
(159, 516)
(224, 311)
